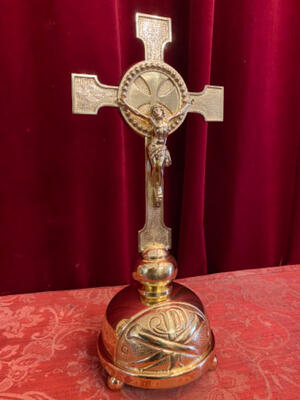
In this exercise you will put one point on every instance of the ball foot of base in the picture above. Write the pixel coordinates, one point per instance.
(114, 384)
(214, 364)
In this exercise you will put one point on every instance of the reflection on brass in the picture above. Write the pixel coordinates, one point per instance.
(150, 338)
(155, 270)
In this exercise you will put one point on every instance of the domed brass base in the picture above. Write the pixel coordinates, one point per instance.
(160, 345)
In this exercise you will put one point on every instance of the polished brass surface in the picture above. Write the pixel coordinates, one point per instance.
(114, 384)
(155, 333)
(155, 270)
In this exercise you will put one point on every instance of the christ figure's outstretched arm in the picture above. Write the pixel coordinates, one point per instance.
(134, 110)
(181, 111)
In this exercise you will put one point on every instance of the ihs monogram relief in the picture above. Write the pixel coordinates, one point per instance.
(163, 339)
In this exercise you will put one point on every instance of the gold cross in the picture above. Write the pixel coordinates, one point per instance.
(154, 101)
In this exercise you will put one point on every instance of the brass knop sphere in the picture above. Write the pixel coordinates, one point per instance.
(155, 270)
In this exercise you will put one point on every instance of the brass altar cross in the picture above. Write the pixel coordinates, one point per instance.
(154, 101)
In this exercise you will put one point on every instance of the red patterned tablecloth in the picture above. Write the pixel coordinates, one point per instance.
(48, 341)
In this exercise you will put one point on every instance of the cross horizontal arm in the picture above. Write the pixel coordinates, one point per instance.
(208, 103)
(88, 94)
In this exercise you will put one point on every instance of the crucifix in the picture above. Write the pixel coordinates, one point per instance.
(164, 339)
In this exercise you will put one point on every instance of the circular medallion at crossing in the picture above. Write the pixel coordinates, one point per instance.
(148, 84)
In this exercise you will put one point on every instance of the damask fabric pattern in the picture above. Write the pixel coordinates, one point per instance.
(48, 341)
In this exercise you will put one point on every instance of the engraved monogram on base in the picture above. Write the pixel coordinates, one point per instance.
(163, 340)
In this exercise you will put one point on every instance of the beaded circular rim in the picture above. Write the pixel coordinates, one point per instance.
(137, 123)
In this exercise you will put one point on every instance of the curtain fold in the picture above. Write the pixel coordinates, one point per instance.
(72, 186)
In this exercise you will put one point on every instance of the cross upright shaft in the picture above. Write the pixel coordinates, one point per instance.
(154, 101)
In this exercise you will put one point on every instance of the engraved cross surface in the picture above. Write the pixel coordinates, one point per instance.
(150, 83)
(152, 88)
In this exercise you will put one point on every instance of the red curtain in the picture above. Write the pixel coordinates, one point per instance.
(72, 186)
